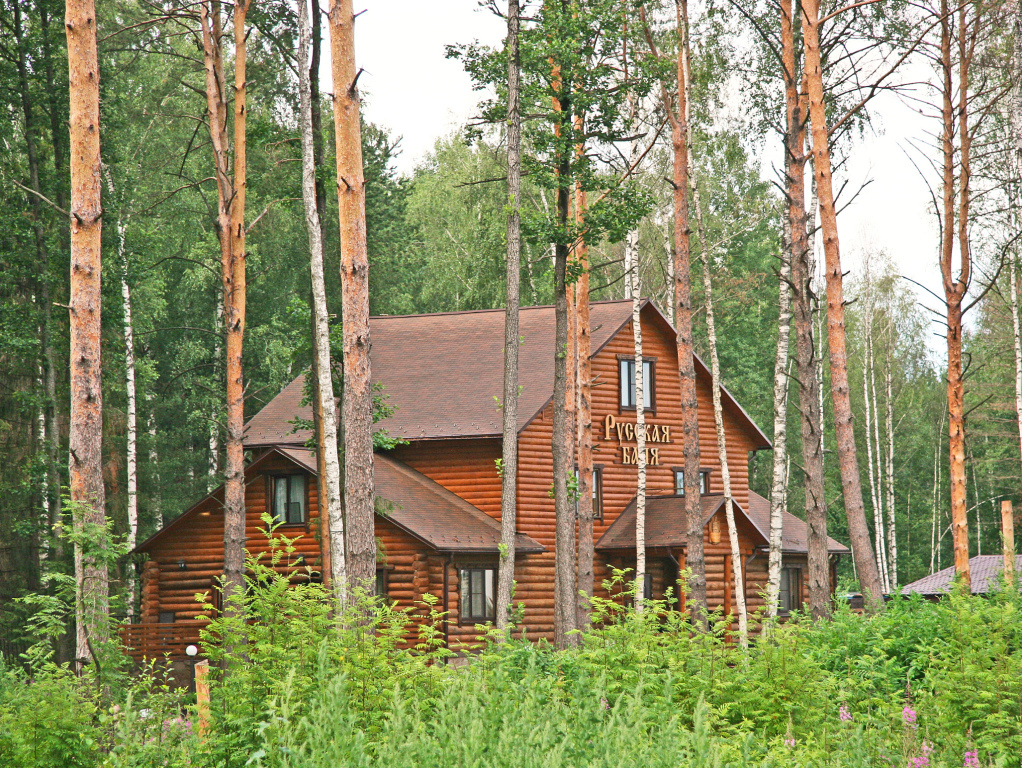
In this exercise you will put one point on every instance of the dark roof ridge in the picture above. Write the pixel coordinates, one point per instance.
(490, 309)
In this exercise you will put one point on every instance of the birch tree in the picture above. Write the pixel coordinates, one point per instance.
(86, 427)
(327, 457)
(359, 497)
(509, 445)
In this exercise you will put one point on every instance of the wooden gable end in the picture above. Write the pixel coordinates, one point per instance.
(614, 444)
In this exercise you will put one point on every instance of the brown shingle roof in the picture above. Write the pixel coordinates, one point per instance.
(983, 570)
(442, 372)
(665, 522)
(794, 532)
(410, 500)
(434, 515)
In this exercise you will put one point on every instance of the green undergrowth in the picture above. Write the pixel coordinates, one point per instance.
(296, 684)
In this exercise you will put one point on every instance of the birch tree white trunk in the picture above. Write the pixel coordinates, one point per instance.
(132, 447)
(779, 486)
(867, 362)
(878, 448)
(213, 459)
(324, 381)
(892, 529)
(156, 497)
(634, 291)
(738, 578)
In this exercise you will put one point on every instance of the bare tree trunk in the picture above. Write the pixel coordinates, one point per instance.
(509, 451)
(132, 441)
(738, 577)
(885, 555)
(358, 393)
(86, 432)
(1015, 122)
(584, 416)
(870, 407)
(327, 457)
(634, 288)
(231, 230)
(694, 556)
(954, 290)
(869, 576)
(1017, 336)
(779, 486)
(892, 529)
(156, 497)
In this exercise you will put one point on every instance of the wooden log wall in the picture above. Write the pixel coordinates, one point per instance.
(198, 545)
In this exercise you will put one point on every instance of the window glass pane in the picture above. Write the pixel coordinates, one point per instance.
(679, 482)
(647, 586)
(704, 479)
(297, 499)
(463, 581)
(477, 594)
(626, 370)
(280, 498)
(784, 596)
(647, 383)
(489, 593)
(381, 582)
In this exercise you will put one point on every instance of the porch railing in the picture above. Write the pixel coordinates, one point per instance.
(157, 641)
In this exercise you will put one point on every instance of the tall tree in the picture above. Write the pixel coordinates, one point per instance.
(327, 457)
(231, 232)
(676, 108)
(86, 429)
(359, 497)
(509, 446)
(858, 531)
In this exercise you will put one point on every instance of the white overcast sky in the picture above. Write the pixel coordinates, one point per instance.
(420, 95)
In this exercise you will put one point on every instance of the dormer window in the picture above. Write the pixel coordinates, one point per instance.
(626, 375)
(288, 499)
(679, 482)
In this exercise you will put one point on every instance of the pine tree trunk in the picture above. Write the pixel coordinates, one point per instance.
(231, 231)
(954, 289)
(737, 576)
(86, 428)
(694, 553)
(358, 392)
(858, 531)
(509, 449)
(327, 457)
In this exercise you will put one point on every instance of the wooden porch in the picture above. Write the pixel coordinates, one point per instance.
(160, 641)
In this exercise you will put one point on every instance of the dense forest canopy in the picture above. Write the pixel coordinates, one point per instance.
(436, 242)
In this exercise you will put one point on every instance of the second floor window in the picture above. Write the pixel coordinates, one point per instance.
(626, 371)
(288, 498)
(679, 481)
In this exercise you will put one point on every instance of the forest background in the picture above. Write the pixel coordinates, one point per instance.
(436, 243)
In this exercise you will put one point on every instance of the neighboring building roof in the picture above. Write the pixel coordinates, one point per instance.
(984, 571)
(665, 522)
(794, 532)
(421, 507)
(443, 372)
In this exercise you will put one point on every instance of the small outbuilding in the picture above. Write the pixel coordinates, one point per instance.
(985, 571)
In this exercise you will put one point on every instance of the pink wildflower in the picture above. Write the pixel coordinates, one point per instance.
(908, 716)
(605, 703)
(845, 713)
(927, 748)
(971, 759)
(920, 762)
(789, 743)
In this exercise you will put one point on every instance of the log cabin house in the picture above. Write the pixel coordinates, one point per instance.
(439, 492)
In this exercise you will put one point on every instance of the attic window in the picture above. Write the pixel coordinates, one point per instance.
(626, 375)
(679, 482)
(288, 499)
